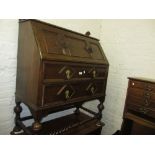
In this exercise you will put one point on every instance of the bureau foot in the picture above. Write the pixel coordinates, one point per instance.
(36, 126)
(18, 109)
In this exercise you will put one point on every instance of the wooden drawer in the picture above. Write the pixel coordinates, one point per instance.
(67, 71)
(141, 101)
(60, 94)
(141, 110)
(140, 93)
(142, 85)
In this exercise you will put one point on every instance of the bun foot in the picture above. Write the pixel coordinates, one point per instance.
(36, 126)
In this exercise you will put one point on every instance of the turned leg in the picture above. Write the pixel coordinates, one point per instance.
(100, 108)
(36, 126)
(99, 114)
(17, 110)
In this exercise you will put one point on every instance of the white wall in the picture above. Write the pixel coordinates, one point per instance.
(8, 53)
(129, 47)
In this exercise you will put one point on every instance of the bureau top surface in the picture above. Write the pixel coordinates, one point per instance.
(142, 79)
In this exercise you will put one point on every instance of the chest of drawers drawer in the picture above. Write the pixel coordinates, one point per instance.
(141, 102)
(142, 85)
(60, 94)
(57, 71)
(141, 97)
(141, 110)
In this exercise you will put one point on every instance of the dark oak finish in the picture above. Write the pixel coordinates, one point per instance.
(57, 69)
(139, 111)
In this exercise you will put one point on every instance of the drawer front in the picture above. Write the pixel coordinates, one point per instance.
(141, 101)
(142, 85)
(141, 110)
(66, 71)
(60, 94)
(142, 94)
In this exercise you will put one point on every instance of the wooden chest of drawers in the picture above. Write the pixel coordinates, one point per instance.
(139, 112)
(57, 69)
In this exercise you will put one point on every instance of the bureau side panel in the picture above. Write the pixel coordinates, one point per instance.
(28, 65)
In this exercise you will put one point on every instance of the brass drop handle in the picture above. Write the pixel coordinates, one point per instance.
(92, 90)
(64, 51)
(147, 95)
(148, 87)
(67, 93)
(68, 74)
(94, 73)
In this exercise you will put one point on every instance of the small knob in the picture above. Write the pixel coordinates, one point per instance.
(133, 83)
(88, 33)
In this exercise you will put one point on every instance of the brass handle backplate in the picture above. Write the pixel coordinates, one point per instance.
(148, 87)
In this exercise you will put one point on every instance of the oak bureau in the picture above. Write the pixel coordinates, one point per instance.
(58, 69)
